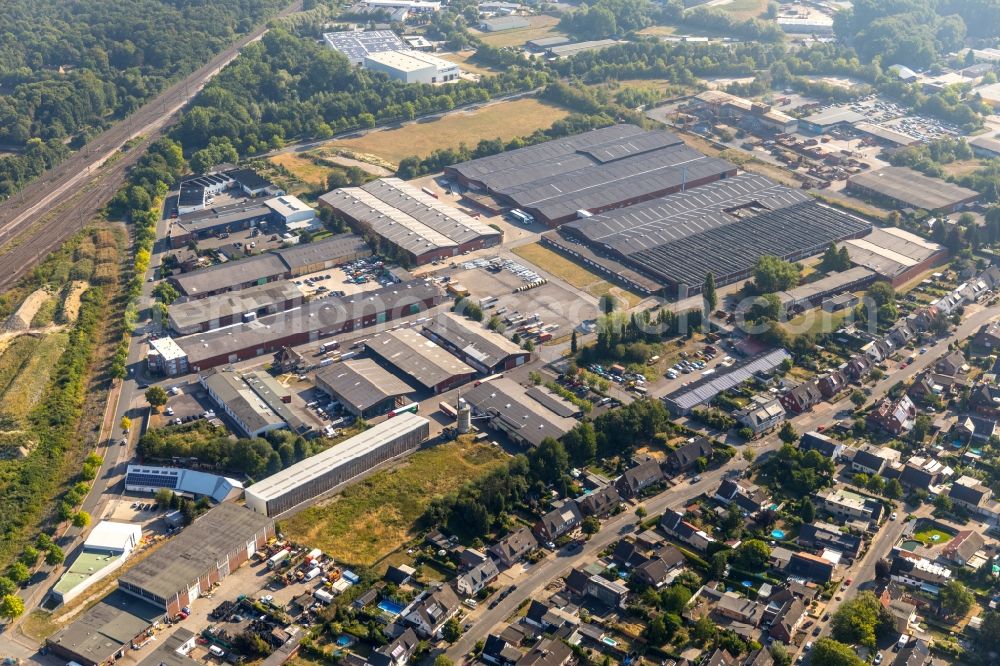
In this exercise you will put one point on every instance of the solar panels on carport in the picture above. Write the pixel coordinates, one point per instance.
(729, 252)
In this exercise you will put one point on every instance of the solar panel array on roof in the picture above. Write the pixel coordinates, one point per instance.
(730, 251)
(670, 218)
(703, 391)
(356, 44)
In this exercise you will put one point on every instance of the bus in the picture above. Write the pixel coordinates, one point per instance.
(448, 409)
(412, 408)
(520, 216)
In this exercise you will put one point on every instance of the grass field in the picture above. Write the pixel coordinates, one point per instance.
(816, 321)
(573, 273)
(15, 358)
(744, 9)
(462, 58)
(24, 392)
(926, 536)
(504, 120)
(541, 26)
(371, 519)
(961, 168)
(302, 168)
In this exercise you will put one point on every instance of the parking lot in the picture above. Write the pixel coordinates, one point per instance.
(354, 278)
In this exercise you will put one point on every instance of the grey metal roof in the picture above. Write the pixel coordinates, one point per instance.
(913, 188)
(481, 344)
(554, 403)
(730, 251)
(191, 314)
(505, 399)
(336, 249)
(196, 550)
(211, 218)
(248, 409)
(230, 274)
(703, 391)
(417, 357)
(669, 218)
(103, 629)
(361, 383)
(567, 50)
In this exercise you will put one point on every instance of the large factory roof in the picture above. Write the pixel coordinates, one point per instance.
(792, 232)
(890, 251)
(362, 383)
(913, 188)
(481, 344)
(324, 315)
(195, 551)
(249, 409)
(184, 316)
(406, 216)
(339, 247)
(316, 466)
(704, 390)
(252, 269)
(506, 400)
(417, 357)
(591, 171)
(356, 44)
(212, 218)
(670, 218)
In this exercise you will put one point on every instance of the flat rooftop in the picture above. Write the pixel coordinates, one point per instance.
(245, 271)
(567, 50)
(197, 549)
(913, 188)
(336, 456)
(824, 285)
(167, 348)
(473, 339)
(410, 61)
(517, 412)
(218, 216)
(417, 357)
(192, 314)
(87, 563)
(338, 248)
(104, 628)
(890, 251)
(356, 44)
(249, 409)
(362, 383)
(834, 116)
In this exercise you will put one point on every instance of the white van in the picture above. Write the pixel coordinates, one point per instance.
(216, 651)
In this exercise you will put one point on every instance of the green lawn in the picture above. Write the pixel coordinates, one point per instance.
(926, 536)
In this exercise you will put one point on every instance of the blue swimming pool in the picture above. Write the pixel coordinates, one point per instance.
(778, 534)
(390, 607)
(344, 640)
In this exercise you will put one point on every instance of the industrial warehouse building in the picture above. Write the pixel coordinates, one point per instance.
(894, 254)
(412, 66)
(312, 322)
(306, 480)
(420, 359)
(721, 227)
(207, 551)
(814, 293)
(902, 187)
(409, 221)
(525, 416)
(285, 211)
(363, 387)
(106, 631)
(356, 44)
(485, 350)
(594, 171)
(187, 482)
(703, 391)
(235, 307)
(107, 547)
(280, 264)
(738, 109)
(254, 401)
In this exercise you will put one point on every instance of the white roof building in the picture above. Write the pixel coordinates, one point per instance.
(412, 66)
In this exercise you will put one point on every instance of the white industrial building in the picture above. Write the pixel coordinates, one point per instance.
(356, 44)
(292, 212)
(308, 479)
(104, 551)
(412, 66)
(166, 357)
(150, 478)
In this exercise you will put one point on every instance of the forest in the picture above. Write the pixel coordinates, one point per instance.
(69, 69)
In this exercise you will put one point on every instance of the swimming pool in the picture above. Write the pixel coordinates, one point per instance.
(778, 534)
(390, 607)
(344, 640)
(609, 641)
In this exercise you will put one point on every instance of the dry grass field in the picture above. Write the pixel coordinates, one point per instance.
(541, 26)
(574, 273)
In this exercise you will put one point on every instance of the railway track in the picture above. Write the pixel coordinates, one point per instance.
(64, 199)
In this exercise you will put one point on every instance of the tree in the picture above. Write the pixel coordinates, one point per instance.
(882, 569)
(81, 519)
(861, 620)
(921, 427)
(943, 503)
(808, 511)
(749, 454)
(606, 304)
(7, 586)
(882, 293)
(787, 433)
(704, 629)
(163, 497)
(858, 397)
(955, 598)
(718, 564)
(572, 344)
(452, 630)
(893, 489)
(640, 512)
(591, 525)
(780, 654)
(442, 660)
(752, 555)
(709, 295)
(828, 652)
(156, 397)
(11, 606)
(987, 639)
(126, 423)
(19, 573)
(54, 555)
(772, 274)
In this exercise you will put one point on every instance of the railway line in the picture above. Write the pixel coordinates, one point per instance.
(62, 200)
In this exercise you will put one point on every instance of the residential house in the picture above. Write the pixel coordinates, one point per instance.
(987, 341)
(831, 383)
(782, 619)
(810, 566)
(983, 428)
(903, 613)
(638, 478)
(510, 549)
(548, 619)
(802, 398)
(740, 609)
(608, 592)
(818, 535)
(497, 651)
(984, 399)
(548, 652)
(901, 333)
(924, 388)
(476, 579)
(684, 458)
(963, 547)
(952, 363)
(673, 523)
(923, 472)
(849, 505)
(660, 570)
(718, 658)
(824, 445)
(470, 557)
(627, 554)
(858, 367)
(601, 502)
(759, 657)
(396, 653)
(895, 417)
(918, 572)
(917, 653)
(969, 493)
(429, 613)
(576, 581)
(761, 415)
(558, 521)
(399, 575)
(748, 496)
(870, 460)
